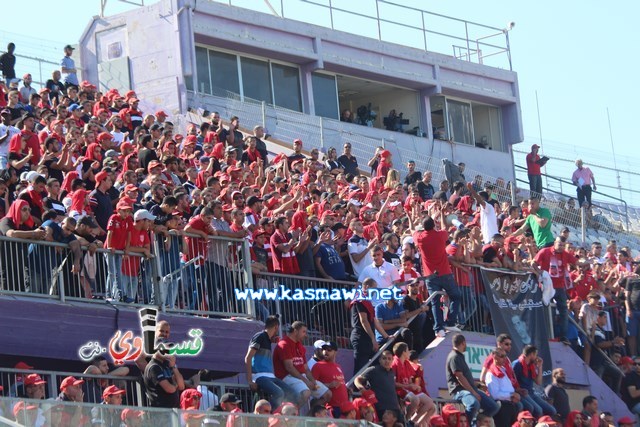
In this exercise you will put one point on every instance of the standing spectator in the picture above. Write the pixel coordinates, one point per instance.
(8, 63)
(259, 365)
(556, 262)
(26, 90)
(100, 201)
(412, 176)
(363, 323)
(349, 161)
(528, 370)
(583, 178)
(381, 379)
(539, 222)
(533, 171)
(605, 341)
(557, 394)
(68, 68)
(501, 389)
(7, 131)
(290, 365)
(359, 247)
(329, 373)
(412, 304)
(283, 246)
(112, 395)
(329, 264)
(139, 243)
(163, 381)
(630, 390)
(425, 188)
(118, 239)
(632, 304)
(488, 217)
(432, 246)
(383, 272)
(55, 86)
(461, 384)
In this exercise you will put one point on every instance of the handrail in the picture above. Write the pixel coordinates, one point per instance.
(391, 340)
(593, 345)
(315, 279)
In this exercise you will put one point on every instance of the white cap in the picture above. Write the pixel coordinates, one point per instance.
(355, 202)
(143, 214)
(32, 175)
(319, 344)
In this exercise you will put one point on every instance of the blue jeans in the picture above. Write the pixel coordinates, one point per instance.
(114, 274)
(535, 183)
(130, 286)
(276, 389)
(189, 286)
(563, 313)
(444, 283)
(537, 406)
(4, 162)
(472, 405)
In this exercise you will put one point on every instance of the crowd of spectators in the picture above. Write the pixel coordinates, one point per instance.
(92, 171)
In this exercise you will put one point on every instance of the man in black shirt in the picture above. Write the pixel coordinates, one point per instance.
(381, 380)
(557, 395)
(101, 200)
(632, 304)
(461, 384)
(8, 63)
(163, 381)
(413, 176)
(412, 304)
(349, 161)
(391, 245)
(425, 188)
(602, 366)
(630, 390)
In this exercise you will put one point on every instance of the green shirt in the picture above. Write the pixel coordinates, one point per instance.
(542, 235)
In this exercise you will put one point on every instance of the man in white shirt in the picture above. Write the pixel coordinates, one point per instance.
(501, 389)
(6, 133)
(383, 272)
(359, 247)
(488, 216)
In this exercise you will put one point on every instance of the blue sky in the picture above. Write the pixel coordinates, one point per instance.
(580, 57)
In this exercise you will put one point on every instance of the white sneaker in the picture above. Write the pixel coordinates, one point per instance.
(441, 333)
(453, 328)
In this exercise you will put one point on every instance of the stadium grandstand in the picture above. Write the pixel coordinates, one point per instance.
(221, 224)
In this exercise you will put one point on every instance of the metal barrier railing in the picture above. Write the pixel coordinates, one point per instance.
(62, 413)
(200, 279)
(327, 319)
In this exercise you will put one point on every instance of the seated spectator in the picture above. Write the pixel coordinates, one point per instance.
(110, 417)
(557, 394)
(420, 407)
(290, 365)
(329, 372)
(605, 341)
(70, 391)
(630, 390)
(501, 389)
(528, 370)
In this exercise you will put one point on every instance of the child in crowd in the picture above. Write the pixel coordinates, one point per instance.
(118, 239)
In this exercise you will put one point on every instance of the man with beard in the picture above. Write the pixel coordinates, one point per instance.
(558, 395)
(412, 304)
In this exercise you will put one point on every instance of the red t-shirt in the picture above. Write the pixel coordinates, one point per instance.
(432, 246)
(119, 228)
(582, 289)
(131, 264)
(197, 245)
(283, 262)
(287, 349)
(461, 276)
(532, 167)
(556, 264)
(404, 374)
(327, 372)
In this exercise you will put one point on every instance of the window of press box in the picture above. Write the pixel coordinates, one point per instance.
(466, 123)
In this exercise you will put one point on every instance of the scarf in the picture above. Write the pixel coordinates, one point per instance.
(36, 199)
(78, 200)
(14, 214)
(371, 314)
(68, 180)
(496, 371)
(528, 369)
(90, 153)
(299, 221)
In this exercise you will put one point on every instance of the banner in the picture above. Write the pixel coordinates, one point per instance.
(515, 302)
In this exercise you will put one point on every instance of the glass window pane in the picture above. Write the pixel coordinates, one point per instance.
(325, 96)
(438, 114)
(460, 123)
(224, 70)
(255, 80)
(202, 64)
(486, 127)
(286, 87)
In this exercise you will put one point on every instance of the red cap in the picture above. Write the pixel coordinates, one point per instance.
(34, 379)
(297, 140)
(178, 137)
(626, 360)
(130, 413)
(626, 420)
(111, 391)
(131, 187)
(227, 208)
(161, 114)
(124, 205)
(153, 164)
(103, 110)
(26, 76)
(22, 406)
(525, 415)
(547, 419)
(370, 396)
(125, 146)
(133, 100)
(385, 153)
(259, 232)
(22, 365)
(104, 136)
(437, 421)
(101, 176)
(535, 146)
(70, 381)
(43, 90)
